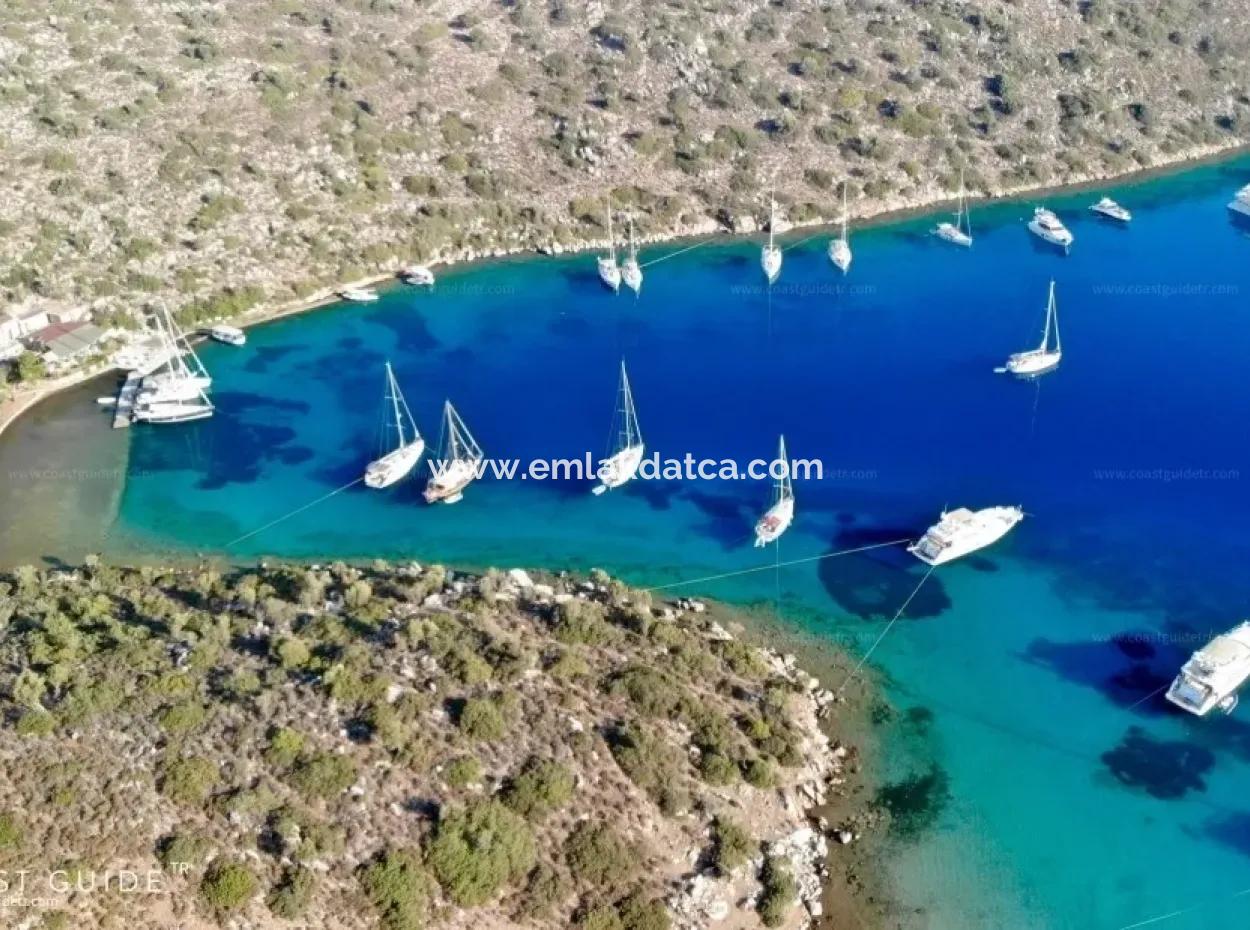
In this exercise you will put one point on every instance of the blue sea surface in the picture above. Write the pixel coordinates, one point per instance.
(1068, 794)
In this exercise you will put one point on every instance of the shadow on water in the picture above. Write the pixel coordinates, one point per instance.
(1232, 830)
(263, 357)
(728, 520)
(412, 333)
(1164, 769)
(871, 585)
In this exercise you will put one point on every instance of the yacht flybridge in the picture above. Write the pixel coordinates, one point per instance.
(622, 464)
(609, 272)
(963, 531)
(1112, 210)
(1034, 362)
(770, 255)
(1211, 677)
(176, 394)
(1241, 202)
(780, 515)
(458, 463)
(408, 445)
(1048, 227)
(631, 271)
(840, 248)
(960, 231)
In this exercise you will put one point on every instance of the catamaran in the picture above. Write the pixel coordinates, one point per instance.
(609, 273)
(176, 394)
(1211, 677)
(360, 295)
(1110, 209)
(631, 271)
(622, 465)
(960, 231)
(1241, 202)
(840, 248)
(780, 515)
(1035, 362)
(459, 462)
(417, 275)
(1045, 225)
(770, 255)
(962, 531)
(397, 463)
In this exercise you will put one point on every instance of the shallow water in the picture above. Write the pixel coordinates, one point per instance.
(1023, 676)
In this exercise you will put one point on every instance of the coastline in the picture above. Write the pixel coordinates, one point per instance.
(878, 213)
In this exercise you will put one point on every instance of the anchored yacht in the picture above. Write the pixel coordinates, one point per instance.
(770, 255)
(398, 462)
(840, 248)
(230, 335)
(360, 295)
(418, 275)
(780, 515)
(609, 272)
(960, 231)
(1241, 202)
(459, 461)
(962, 531)
(1045, 225)
(631, 271)
(1034, 362)
(1112, 210)
(1213, 674)
(176, 394)
(622, 464)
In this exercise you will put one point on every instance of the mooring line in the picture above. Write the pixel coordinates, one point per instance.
(888, 626)
(297, 510)
(771, 566)
(1185, 910)
(689, 248)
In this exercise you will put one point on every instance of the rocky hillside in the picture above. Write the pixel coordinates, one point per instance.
(399, 748)
(232, 153)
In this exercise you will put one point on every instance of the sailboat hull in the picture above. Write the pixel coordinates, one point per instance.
(840, 254)
(770, 262)
(631, 274)
(952, 234)
(619, 468)
(609, 274)
(774, 523)
(395, 465)
(1033, 364)
(448, 486)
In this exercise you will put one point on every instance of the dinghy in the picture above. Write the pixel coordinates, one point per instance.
(622, 464)
(395, 464)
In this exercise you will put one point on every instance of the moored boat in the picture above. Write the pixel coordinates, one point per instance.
(418, 275)
(1241, 201)
(840, 247)
(230, 335)
(459, 461)
(360, 295)
(1034, 362)
(778, 517)
(1212, 676)
(770, 255)
(960, 231)
(963, 531)
(631, 271)
(1112, 210)
(1048, 227)
(623, 461)
(408, 445)
(609, 271)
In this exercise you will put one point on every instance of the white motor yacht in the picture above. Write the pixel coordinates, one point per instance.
(1213, 674)
(1241, 202)
(1112, 210)
(230, 335)
(360, 295)
(1045, 225)
(963, 531)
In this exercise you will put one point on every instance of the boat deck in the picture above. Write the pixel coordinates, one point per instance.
(124, 411)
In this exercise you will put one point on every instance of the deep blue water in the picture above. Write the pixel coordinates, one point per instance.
(1071, 805)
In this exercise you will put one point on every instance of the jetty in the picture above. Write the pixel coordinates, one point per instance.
(124, 408)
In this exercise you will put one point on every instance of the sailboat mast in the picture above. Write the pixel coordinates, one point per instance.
(772, 223)
(611, 241)
(393, 388)
(784, 489)
(633, 249)
(1052, 313)
(629, 422)
(1050, 309)
(844, 183)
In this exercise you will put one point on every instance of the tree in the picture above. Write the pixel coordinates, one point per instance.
(227, 886)
(478, 849)
(28, 367)
(399, 888)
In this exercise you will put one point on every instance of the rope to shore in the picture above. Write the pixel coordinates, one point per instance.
(877, 642)
(664, 258)
(775, 565)
(295, 512)
(1183, 911)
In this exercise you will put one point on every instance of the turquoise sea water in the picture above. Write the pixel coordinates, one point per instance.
(1025, 674)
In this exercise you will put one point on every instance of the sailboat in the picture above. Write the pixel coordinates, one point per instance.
(770, 255)
(176, 394)
(631, 271)
(960, 231)
(459, 461)
(609, 273)
(780, 515)
(622, 465)
(383, 472)
(840, 248)
(1038, 361)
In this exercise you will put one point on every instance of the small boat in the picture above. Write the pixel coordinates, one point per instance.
(1110, 209)
(609, 273)
(360, 295)
(459, 462)
(417, 275)
(840, 248)
(622, 464)
(1045, 225)
(230, 335)
(1241, 202)
(960, 231)
(770, 255)
(631, 271)
(780, 515)
(1035, 362)
(963, 531)
(1211, 677)
(397, 463)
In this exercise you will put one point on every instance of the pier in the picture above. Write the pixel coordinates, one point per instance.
(124, 410)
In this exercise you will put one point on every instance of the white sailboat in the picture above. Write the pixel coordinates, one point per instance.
(631, 271)
(609, 273)
(960, 231)
(622, 465)
(383, 472)
(840, 248)
(176, 394)
(770, 255)
(780, 515)
(459, 461)
(1035, 362)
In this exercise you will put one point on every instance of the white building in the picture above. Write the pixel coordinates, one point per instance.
(16, 323)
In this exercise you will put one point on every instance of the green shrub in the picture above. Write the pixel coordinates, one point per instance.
(292, 895)
(285, 747)
(638, 912)
(227, 886)
(35, 723)
(760, 773)
(545, 889)
(463, 772)
(182, 718)
(182, 849)
(540, 787)
(648, 761)
(324, 775)
(600, 918)
(482, 719)
(399, 888)
(779, 892)
(717, 769)
(731, 845)
(10, 832)
(479, 848)
(597, 856)
(189, 779)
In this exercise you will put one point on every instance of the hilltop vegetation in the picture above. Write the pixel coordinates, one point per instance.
(399, 748)
(224, 155)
